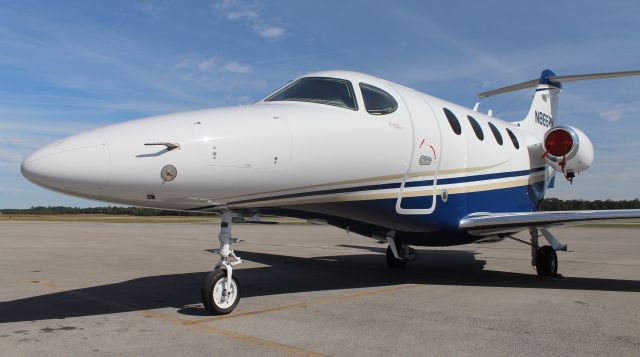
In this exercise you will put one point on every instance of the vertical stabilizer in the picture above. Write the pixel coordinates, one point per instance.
(542, 114)
(543, 111)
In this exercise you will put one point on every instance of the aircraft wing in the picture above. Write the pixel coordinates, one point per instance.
(487, 224)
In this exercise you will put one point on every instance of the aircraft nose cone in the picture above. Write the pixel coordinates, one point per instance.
(77, 165)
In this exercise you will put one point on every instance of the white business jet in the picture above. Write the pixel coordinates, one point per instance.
(347, 149)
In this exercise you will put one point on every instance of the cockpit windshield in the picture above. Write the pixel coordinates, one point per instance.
(331, 91)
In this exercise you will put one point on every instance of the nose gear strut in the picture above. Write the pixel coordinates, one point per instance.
(220, 289)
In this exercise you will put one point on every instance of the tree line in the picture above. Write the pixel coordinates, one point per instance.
(549, 204)
(554, 204)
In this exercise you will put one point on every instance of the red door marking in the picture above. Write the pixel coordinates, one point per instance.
(434, 151)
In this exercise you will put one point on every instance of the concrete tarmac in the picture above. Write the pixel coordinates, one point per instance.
(113, 289)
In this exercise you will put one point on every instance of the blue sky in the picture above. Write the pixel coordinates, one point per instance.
(69, 66)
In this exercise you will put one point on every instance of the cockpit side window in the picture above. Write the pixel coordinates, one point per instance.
(331, 91)
(377, 101)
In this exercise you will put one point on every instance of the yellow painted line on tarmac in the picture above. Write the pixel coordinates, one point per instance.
(218, 331)
(49, 284)
(196, 325)
(304, 304)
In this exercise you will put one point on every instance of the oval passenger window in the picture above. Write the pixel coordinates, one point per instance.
(453, 121)
(496, 133)
(476, 127)
(514, 139)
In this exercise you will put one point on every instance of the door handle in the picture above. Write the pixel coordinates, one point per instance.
(170, 146)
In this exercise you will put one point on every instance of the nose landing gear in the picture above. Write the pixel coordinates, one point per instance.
(219, 294)
(220, 289)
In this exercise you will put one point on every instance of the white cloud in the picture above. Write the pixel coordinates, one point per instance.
(14, 140)
(10, 157)
(200, 69)
(236, 67)
(615, 115)
(187, 76)
(224, 4)
(184, 63)
(207, 65)
(151, 8)
(15, 147)
(42, 127)
(249, 13)
(270, 32)
(22, 143)
(491, 83)
(612, 115)
(242, 15)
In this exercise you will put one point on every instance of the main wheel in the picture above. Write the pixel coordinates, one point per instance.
(215, 296)
(546, 261)
(394, 262)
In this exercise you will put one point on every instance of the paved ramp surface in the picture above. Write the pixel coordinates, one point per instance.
(74, 289)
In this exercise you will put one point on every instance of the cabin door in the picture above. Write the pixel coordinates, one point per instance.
(418, 191)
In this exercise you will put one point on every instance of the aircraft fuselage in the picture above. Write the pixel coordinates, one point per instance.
(413, 170)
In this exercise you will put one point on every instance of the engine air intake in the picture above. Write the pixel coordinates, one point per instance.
(558, 142)
(568, 150)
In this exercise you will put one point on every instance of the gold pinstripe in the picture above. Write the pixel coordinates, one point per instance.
(347, 197)
(366, 180)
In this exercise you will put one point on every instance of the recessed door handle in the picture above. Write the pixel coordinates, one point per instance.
(170, 146)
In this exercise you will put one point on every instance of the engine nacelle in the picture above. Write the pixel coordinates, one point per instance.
(568, 150)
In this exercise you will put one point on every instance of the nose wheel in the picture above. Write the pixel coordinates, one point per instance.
(220, 289)
(219, 294)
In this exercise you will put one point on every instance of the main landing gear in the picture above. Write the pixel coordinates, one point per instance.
(545, 258)
(220, 289)
(399, 254)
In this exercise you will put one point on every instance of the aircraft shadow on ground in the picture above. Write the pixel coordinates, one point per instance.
(286, 274)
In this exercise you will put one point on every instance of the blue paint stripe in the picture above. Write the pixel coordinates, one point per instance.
(385, 186)
(448, 181)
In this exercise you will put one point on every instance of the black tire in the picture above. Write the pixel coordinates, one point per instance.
(207, 293)
(546, 261)
(413, 255)
(393, 262)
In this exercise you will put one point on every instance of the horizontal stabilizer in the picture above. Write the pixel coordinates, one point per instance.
(496, 223)
(556, 80)
(583, 77)
(512, 88)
